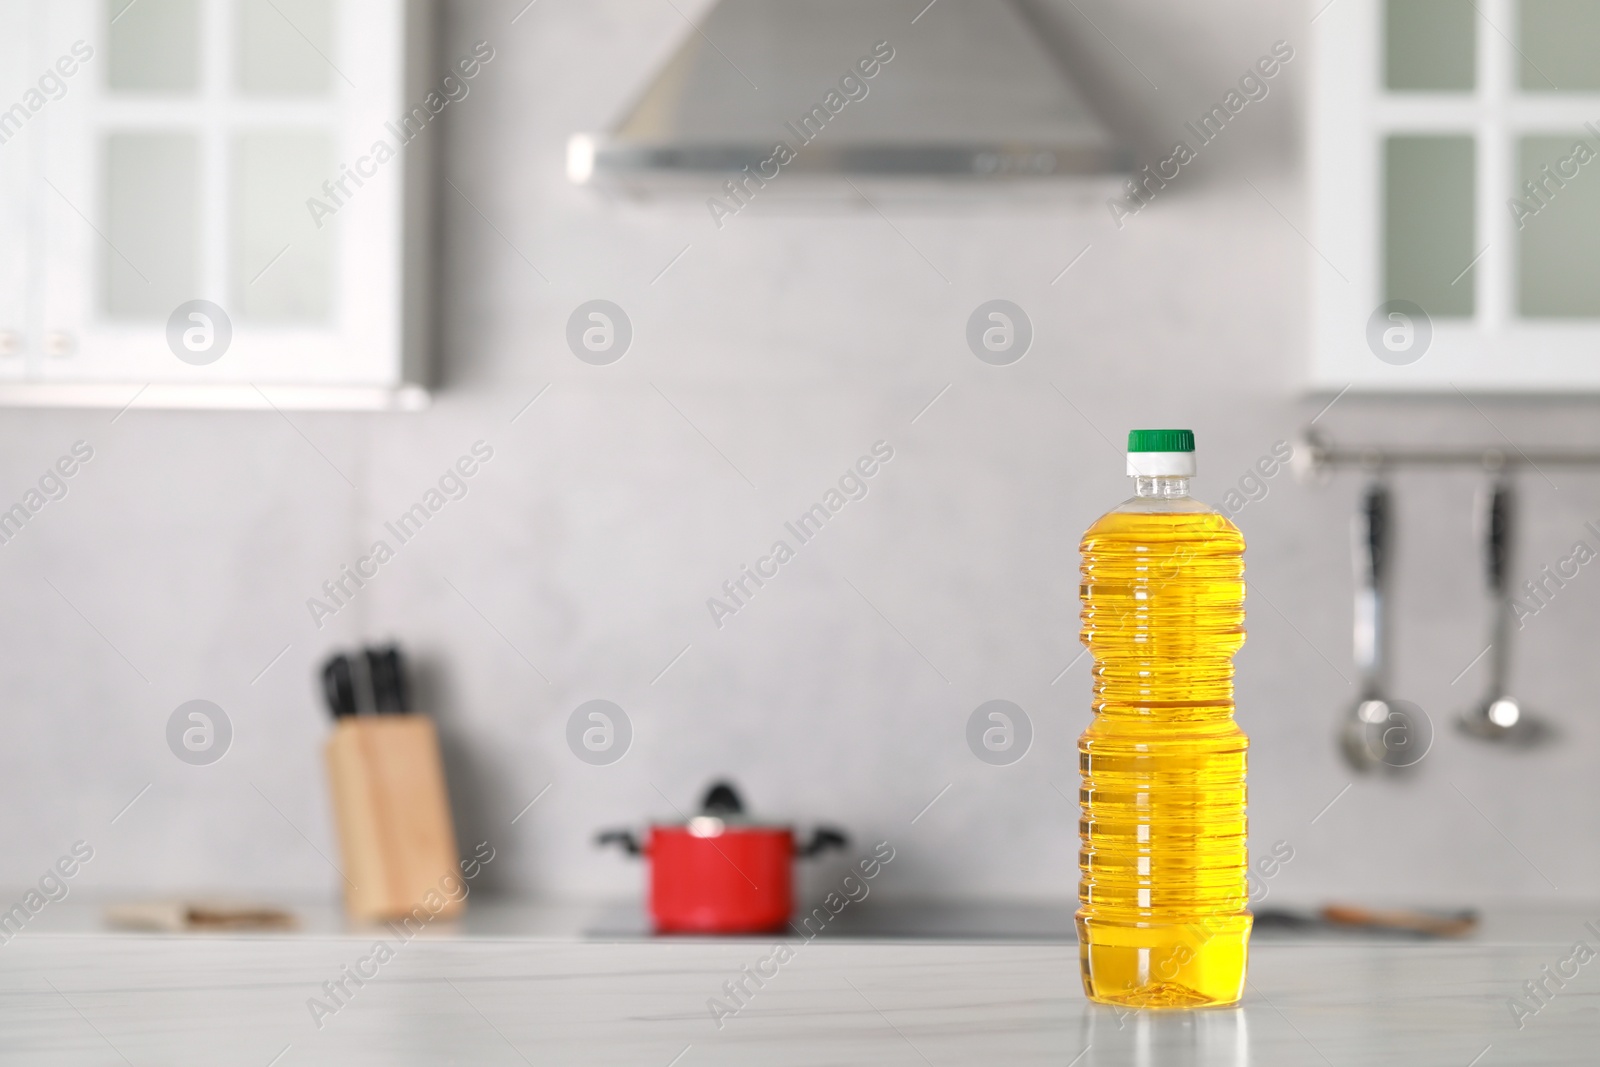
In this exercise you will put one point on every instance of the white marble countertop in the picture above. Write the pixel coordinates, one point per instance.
(526, 985)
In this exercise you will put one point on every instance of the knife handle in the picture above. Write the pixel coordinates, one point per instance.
(338, 686)
(399, 684)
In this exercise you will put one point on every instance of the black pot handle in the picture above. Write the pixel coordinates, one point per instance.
(625, 838)
(822, 839)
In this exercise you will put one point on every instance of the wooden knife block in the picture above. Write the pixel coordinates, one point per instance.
(393, 814)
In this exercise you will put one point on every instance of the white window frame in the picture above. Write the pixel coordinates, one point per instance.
(1351, 116)
(373, 353)
(16, 55)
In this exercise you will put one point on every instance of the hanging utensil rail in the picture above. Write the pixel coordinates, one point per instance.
(1315, 454)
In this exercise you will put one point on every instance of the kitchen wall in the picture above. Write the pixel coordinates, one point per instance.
(767, 358)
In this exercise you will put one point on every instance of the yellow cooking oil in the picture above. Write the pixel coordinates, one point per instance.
(1163, 921)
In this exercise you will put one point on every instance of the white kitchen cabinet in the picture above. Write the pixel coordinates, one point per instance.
(160, 152)
(1430, 119)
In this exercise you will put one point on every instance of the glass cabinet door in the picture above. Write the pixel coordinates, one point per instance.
(186, 161)
(1456, 174)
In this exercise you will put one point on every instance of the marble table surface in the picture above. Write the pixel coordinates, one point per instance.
(572, 985)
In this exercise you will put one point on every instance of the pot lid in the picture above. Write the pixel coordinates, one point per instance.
(722, 809)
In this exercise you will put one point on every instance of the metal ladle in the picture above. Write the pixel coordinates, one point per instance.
(1363, 735)
(1500, 717)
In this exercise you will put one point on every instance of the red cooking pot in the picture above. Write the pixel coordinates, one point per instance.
(719, 873)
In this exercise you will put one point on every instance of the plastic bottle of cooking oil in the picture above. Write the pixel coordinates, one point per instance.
(1163, 921)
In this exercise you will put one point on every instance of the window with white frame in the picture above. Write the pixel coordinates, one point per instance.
(158, 174)
(1455, 168)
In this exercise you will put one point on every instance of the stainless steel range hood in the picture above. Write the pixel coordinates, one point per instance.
(968, 94)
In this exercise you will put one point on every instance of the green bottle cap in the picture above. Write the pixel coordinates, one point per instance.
(1160, 440)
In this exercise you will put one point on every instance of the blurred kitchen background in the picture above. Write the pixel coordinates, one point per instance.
(766, 357)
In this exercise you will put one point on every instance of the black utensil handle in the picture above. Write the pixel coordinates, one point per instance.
(624, 838)
(822, 839)
(1497, 543)
(1375, 522)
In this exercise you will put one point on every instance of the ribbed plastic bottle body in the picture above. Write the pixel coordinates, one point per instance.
(1163, 920)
